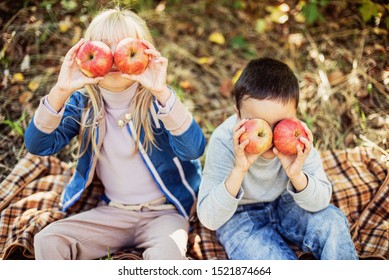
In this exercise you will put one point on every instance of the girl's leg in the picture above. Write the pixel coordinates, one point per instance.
(250, 235)
(325, 233)
(164, 235)
(88, 235)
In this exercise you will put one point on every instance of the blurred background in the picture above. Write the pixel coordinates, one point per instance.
(338, 50)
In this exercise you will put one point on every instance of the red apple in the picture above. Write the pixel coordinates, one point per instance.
(129, 56)
(259, 134)
(94, 58)
(286, 136)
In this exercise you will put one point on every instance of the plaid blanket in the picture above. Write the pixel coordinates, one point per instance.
(30, 194)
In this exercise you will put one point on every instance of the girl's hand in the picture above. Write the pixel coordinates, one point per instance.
(154, 77)
(243, 160)
(70, 77)
(293, 164)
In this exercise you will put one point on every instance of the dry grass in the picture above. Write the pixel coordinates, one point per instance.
(342, 66)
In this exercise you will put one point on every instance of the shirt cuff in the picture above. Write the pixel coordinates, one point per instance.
(169, 104)
(224, 198)
(46, 119)
(178, 120)
(305, 194)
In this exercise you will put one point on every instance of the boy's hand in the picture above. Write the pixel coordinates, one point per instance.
(243, 160)
(293, 164)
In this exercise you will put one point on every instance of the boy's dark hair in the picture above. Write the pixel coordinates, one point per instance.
(266, 78)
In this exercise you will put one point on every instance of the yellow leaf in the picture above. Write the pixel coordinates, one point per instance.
(205, 60)
(261, 26)
(217, 37)
(236, 76)
(18, 77)
(33, 85)
(77, 35)
(64, 25)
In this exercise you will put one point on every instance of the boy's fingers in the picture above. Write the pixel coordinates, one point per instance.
(238, 133)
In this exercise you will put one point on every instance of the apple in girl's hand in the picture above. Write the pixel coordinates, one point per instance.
(259, 134)
(129, 56)
(286, 136)
(94, 58)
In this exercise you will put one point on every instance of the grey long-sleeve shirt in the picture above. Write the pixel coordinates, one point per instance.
(264, 181)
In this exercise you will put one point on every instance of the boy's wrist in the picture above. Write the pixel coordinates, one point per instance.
(299, 181)
(239, 171)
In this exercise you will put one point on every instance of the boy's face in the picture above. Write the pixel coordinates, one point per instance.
(269, 110)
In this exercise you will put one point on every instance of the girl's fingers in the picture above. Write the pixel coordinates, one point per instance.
(73, 51)
(148, 44)
(152, 52)
(130, 77)
(93, 80)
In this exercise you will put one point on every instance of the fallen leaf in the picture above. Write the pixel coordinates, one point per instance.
(261, 25)
(226, 88)
(335, 77)
(205, 60)
(77, 35)
(18, 77)
(25, 97)
(25, 65)
(236, 76)
(217, 37)
(188, 86)
(33, 85)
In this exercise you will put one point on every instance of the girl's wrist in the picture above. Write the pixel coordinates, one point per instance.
(162, 95)
(61, 90)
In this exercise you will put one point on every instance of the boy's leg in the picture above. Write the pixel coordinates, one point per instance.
(164, 235)
(87, 235)
(325, 233)
(249, 235)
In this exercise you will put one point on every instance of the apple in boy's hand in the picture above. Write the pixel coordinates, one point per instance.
(94, 59)
(286, 136)
(259, 134)
(129, 56)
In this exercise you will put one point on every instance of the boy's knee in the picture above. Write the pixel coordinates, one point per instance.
(331, 218)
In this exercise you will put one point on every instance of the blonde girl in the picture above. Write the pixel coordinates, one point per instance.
(136, 136)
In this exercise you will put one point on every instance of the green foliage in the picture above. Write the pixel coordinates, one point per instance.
(311, 10)
(15, 125)
(368, 10)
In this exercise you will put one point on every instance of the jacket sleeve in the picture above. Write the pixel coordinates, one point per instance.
(317, 195)
(48, 133)
(215, 204)
(185, 136)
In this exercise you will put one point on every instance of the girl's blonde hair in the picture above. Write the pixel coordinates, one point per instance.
(110, 26)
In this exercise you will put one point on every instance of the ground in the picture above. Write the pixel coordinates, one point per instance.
(338, 50)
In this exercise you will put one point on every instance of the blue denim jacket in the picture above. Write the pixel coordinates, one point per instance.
(174, 164)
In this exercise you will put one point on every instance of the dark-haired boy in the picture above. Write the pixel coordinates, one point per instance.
(257, 203)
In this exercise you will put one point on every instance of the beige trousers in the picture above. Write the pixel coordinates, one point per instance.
(92, 234)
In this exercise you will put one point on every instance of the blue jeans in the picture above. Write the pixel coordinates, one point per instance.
(261, 231)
